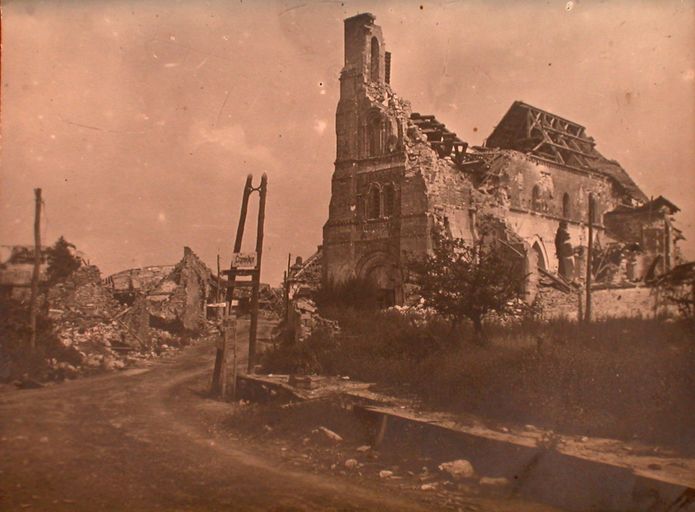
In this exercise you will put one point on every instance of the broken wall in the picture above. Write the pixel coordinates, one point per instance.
(179, 301)
(653, 232)
(540, 195)
(607, 303)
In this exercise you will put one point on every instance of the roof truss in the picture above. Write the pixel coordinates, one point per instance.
(557, 139)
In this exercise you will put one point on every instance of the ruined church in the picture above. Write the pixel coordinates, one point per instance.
(402, 176)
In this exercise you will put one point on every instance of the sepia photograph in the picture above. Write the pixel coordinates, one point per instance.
(342, 256)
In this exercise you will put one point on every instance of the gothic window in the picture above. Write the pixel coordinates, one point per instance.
(389, 199)
(374, 202)
(374, 69)
(536, 199)
(566, 206)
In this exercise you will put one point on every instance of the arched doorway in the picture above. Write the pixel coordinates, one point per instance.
(382, 270)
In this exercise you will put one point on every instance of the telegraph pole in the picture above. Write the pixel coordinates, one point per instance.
(33, 306)
(589, 255)
(219, 374)
(253, 329)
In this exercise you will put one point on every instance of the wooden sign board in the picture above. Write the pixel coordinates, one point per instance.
(244, 260)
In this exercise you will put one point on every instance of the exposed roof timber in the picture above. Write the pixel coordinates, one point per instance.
(531, 109)
(444, 141)
(539, 133)
(567, 148)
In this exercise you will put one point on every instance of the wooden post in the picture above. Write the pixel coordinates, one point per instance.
(218, 375)
(589, 255)
(228, 337)
(218, 313)
(667, 246)
(33, 302)
(221, 387)
(253, 329)
(287, 287)
(235, 365)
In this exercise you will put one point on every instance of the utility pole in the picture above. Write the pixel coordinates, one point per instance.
(218, 313)
(33, 306)
(286, 298)
(253, 330)
(589, 255)
(219, 374)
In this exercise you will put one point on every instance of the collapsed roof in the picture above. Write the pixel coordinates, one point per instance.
(554, 139)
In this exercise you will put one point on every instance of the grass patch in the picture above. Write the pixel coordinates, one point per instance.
(624, 378)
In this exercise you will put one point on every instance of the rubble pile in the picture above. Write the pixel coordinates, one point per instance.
(304, 319)
(96, 332)
(82, 297)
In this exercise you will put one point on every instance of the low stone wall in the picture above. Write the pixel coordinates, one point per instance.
(632, 302)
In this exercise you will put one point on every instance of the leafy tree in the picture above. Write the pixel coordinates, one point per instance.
(461, 280)
(61, 260)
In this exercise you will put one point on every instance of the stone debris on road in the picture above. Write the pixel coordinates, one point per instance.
(330, 435)
(458, 469)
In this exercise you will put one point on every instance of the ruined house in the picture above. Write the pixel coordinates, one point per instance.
(401, 176)
(182, 297)
(16, 270)
(178, 302)
(304, 277)
(127, 285)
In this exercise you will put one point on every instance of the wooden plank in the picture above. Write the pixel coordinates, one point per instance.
(565, 287)
(240, 284)
(240, 272)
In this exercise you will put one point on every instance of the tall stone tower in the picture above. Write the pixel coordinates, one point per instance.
(397, 177)
(362, 236)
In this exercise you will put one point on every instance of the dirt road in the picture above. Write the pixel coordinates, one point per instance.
(139, 440)
(143, 440)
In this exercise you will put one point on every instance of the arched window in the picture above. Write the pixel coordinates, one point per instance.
(374, 134)
(536, 198)
(566, 206)
(374, 68)
(374, 202)
(540, 258)
(596, 214)
(389, 199)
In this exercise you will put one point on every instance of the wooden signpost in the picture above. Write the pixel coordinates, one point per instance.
(242, 264)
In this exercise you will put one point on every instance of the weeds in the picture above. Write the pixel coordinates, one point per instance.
(622, 378)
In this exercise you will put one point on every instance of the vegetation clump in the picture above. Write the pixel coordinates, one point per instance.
(62, 261)
(469, 281)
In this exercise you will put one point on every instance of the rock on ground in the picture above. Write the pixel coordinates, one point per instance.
(458, 469)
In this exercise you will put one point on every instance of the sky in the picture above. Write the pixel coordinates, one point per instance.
(141, 119)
